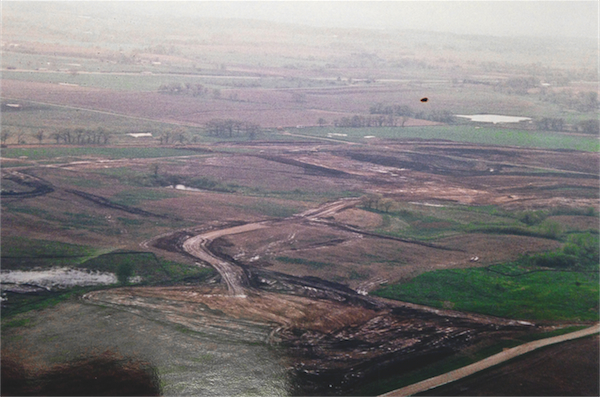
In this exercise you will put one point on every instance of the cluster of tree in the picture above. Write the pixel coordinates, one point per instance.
(6, 134)
(196, 182)
(229, 127)
(79, 136)
(580, 252)
(591, 126)
(358, 121)
(550, 124)
(378, 202)
(442, 116)
(517, 85)
(396, 110)
(177, 135)
(582, 101)
(183, 89)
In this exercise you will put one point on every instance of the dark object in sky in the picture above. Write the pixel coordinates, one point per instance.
(424, 99)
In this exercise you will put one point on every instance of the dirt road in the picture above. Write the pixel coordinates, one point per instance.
(233, 275)
(488, 362)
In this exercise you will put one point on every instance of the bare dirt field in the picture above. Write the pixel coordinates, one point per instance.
(270, 112)
(562, 369)
(304, 275)
(258, 253)
(266, 107)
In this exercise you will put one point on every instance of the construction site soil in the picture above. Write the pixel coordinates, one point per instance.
(278, 287)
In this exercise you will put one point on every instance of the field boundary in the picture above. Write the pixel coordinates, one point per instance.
(488, 362)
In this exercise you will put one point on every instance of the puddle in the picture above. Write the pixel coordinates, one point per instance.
(183, 187)
(428, 204)
(140, 134)
(56, 278)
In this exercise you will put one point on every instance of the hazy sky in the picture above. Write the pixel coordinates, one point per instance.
(501, 18)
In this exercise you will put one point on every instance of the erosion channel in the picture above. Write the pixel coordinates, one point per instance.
(334, 339)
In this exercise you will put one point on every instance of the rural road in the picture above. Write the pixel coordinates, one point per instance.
(233, 275)
(488, 362)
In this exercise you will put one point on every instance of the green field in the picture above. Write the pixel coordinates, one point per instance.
(560, 285)
(430, 223)
(509, 291)
(465, 133)
(24, 247)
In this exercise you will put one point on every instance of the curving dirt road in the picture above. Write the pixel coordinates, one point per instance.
(488, 362)
(233, 275)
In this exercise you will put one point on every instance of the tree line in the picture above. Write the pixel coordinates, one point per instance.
(229, 127)
(442, 116)
(390, 116)
(81, 136)
(591, 126)
(183, 89)
(77, 136)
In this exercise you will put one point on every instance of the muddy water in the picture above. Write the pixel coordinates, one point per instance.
(188, 363)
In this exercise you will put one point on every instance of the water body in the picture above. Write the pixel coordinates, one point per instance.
(183, 187)
(59, 277)
(494, 118)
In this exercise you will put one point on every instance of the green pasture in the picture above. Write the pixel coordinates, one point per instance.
(25, 247)
(147, 265)
(424, 223)
(486, 135)
(512, 291)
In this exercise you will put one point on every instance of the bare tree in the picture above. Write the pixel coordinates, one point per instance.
(4, 136)
(79, 132)
(21, 138)
(57, 136)
(40, 136)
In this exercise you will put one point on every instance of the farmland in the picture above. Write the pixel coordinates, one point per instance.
(305, 196)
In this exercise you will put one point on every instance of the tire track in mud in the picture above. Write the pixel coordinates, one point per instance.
(39, 186)
(104, 202)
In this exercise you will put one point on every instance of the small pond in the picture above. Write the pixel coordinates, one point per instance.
(494, 118)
